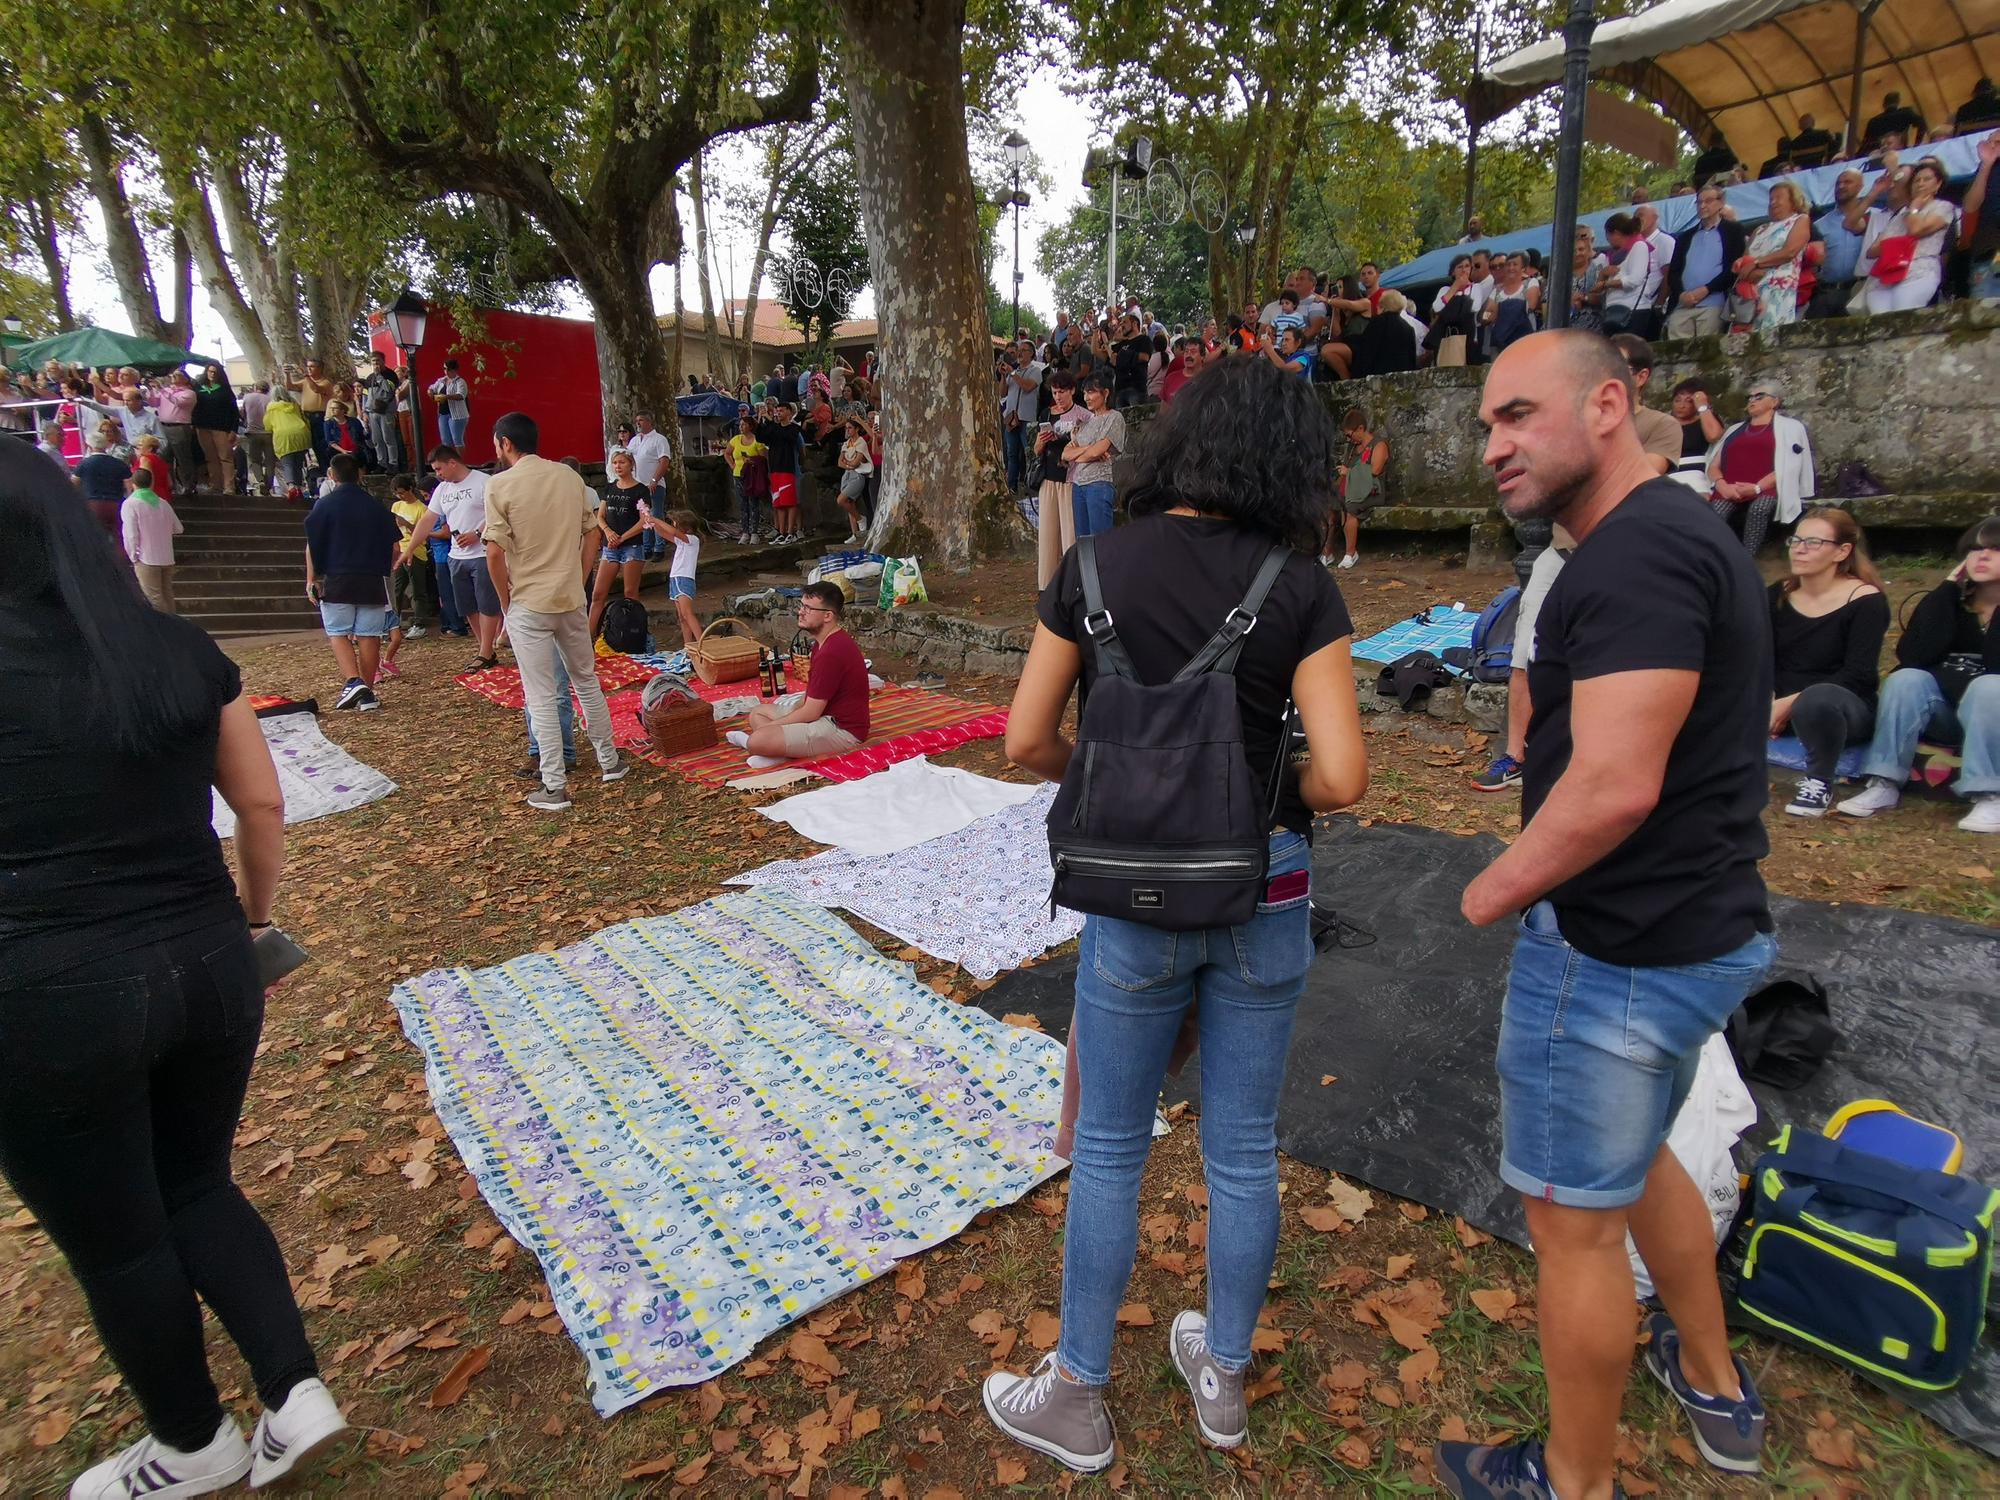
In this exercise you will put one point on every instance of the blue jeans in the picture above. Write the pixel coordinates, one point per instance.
(1093, 504)
(1596, 1059)
(316, 424)
(1013, 441)
(1912, 705)
(451, 431)
(1133, 986)
(449, 618)
(565, 710)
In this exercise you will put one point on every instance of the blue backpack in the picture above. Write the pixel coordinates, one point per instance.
(1493, 637)
(1880, 1264)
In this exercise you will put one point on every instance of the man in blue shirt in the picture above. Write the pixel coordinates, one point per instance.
(1982, 207)
(1699, 277)
(1843, 251)
(351, 542)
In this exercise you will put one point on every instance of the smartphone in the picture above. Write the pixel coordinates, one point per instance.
(277, 955)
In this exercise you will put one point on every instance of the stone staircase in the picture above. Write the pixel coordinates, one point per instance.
(240, 564)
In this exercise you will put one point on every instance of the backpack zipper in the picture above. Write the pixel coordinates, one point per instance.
(1083, 797)
(1162, 866)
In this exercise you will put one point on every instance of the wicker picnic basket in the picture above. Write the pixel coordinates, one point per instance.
(674, 718)
(726, 658)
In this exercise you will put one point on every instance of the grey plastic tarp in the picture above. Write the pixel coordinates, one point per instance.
(1407, 1026)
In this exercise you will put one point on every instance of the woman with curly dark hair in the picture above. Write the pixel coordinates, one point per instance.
(1243, 459)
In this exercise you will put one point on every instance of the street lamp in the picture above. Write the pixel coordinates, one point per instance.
(1016, 148)
(407, 317)
(11, 323)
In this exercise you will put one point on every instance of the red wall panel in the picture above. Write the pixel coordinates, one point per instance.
(546, 367)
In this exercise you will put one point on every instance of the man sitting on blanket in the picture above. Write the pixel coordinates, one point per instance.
(833, 718)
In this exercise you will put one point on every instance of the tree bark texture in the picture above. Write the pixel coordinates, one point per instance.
(712, 337)
(271, 290)
(123, 244)
(42, 227)
(196, 220)
(767, 223)
(943, 494)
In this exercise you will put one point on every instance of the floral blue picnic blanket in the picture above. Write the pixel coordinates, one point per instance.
(1436, 630)
(709, 1123)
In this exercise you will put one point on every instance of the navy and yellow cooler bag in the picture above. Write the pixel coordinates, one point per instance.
(1882, 1265)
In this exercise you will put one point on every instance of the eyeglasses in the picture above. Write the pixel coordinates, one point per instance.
(1809, 543)
(805, 608)
(1761, 396)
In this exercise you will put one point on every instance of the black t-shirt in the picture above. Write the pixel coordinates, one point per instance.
(1661, 583)
(784, 440)
(101, 850)
(1694, 442)
(1128, 362)
(621, 507)
(1843, 646)
(1170, 582)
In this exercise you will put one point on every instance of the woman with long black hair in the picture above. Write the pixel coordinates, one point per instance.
(129, 995)
(1241, 460)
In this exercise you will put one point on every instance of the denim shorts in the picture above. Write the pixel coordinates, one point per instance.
(680, 588)
(625, 552)
(353, 619)
(1596, 1058)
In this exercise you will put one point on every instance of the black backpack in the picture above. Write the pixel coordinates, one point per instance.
(625, 625)
(1159, 819)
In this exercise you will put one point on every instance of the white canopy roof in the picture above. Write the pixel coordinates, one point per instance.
(1750, 68)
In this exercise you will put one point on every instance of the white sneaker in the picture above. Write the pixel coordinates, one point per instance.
(1326, 559)
(738, 738)
(1984, 817)
(304, 1425)
(1878, 796)
(150, 1470)
(415, 633)
(1349, 561)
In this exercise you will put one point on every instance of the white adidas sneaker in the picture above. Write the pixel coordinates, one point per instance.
(1879, 795)
(303, 1426)
(150, 1470)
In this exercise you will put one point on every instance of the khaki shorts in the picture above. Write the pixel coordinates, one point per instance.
(816, 738)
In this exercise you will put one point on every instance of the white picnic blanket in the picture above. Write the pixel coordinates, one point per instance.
(910, 803)
(316, 775)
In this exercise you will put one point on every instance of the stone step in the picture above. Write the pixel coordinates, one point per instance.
(248, 622)
(228, 583)
(1944, 509)
(275, 577)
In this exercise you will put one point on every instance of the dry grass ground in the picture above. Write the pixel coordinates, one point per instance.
(1388, 1325)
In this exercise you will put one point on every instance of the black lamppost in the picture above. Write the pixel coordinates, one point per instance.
(406, 317)
(1016, 147)
(11, 323)
(1534, 536)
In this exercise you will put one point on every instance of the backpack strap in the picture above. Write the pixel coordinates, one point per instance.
(1112, 658)
(1222, 648)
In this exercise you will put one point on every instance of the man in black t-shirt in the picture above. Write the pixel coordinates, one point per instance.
(1644, 921)
(785, 442)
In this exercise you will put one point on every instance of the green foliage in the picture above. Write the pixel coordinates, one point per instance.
(822, 226)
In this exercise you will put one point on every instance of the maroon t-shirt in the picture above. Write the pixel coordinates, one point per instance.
(1750, 455)
(840, 680)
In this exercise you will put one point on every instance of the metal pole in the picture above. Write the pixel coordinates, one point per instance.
(1017, 254)
(1111, 254)
(416, 411)
(1569, 159)
(1534, 536)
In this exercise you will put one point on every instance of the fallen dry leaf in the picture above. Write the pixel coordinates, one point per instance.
(1399, 1266)
(1043, 1329)
(459, 1378)
(1008, 1471)
(52, 1429)
(1417, 1371)
(1354, 1451)
(1495, 1302)
(1352, 1202)
(1833, 1446)
(1136, 1315)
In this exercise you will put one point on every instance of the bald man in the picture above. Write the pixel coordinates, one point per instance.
(1643, 921)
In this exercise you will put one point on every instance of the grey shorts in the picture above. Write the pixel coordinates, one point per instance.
(472, 587)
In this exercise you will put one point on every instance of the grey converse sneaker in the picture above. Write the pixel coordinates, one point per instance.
(1730, 1433)
(1062, 1418)
(1218, 1393)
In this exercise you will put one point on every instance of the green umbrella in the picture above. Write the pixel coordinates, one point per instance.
(99, 347)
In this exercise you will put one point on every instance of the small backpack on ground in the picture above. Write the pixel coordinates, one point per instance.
(1882, 1265)
(625, 625)
(1493, 636)
(1159, 819)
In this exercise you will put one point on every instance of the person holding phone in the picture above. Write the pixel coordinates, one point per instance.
(130, 997)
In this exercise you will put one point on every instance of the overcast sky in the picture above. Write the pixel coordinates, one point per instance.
(1057, 126)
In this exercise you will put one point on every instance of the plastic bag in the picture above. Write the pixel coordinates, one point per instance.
(885, 597)
(1718, 1109)
(909, 583)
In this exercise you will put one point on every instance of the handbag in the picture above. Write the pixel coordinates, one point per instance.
(1893, 255)
(1451, 351)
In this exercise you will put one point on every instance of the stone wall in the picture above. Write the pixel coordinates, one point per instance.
(1915, 396)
